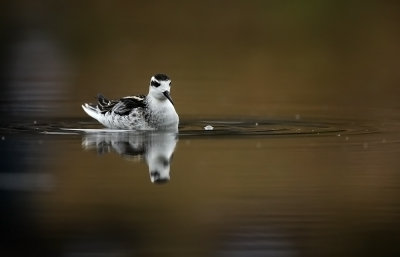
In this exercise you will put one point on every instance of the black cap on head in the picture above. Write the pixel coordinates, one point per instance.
(161, 77)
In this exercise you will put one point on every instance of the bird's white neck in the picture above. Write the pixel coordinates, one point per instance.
(163, 113)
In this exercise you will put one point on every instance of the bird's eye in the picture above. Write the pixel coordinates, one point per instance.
(170, 83)
(155, 83)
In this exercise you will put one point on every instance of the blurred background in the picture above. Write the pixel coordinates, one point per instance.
(307, 62)
(236, 58)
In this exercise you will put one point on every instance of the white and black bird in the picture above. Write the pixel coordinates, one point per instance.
(155, 111)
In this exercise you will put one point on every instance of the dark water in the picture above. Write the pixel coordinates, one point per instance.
(244, 188)
(289, 140)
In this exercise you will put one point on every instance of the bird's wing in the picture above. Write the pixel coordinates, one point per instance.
(125, 105)
(104, 104)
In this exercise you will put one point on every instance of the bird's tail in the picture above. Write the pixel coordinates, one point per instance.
(91, 110)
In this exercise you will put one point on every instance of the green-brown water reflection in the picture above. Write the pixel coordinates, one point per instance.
(287, 194)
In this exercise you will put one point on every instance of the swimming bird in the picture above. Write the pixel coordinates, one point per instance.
(155, 111)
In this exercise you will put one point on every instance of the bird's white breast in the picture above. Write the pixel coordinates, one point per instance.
(163, 114)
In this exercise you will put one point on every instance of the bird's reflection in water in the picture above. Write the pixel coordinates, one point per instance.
(156, 148)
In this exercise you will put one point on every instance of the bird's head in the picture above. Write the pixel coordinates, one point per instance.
(160, 87)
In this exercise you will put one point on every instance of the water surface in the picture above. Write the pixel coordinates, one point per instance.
(245, 188)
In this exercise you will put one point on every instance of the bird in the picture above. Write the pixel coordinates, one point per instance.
(155, 111)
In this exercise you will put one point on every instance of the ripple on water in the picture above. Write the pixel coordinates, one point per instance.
(206, 128)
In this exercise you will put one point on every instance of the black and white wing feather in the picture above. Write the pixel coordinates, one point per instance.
(122, 107)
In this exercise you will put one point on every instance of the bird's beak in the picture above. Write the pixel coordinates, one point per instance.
(166, 94)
